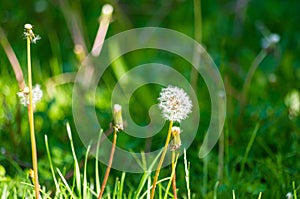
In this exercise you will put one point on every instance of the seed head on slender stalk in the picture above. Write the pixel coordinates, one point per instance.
(117, 125)
(31, 38)
(175, 105)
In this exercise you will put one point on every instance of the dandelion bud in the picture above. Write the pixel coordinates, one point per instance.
(174, 103)
(176, 142)
(118, 121)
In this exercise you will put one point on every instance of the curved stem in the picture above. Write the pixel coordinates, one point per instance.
(31, 124)
(161, 160)
(109, 165)
(258, 59)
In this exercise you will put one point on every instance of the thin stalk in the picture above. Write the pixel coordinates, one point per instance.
(104, 21)
(109, 164)
(31, 123)
(221, 157)
(187, 174)
(174, 177)
(233, 194)
(216, 189)
(161, 160)
(51, 164)
(205, 174)
(171, 177)
(248, 149)
(259, 196)
(97, 163)
(295, 192)
(258, 59)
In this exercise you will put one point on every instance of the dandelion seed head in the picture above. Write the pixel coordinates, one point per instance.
(270, 41)
(28, 26)
(289, 195)
(107, 9)
(28, 33)
(174, 103)
(37, 95)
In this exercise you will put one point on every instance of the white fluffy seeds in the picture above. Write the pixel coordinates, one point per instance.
(174, 103)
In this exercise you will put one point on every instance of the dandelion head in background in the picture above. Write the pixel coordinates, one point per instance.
(270, 41)
(289, 195)
(28, 33)
(174, 103)
(37, 95)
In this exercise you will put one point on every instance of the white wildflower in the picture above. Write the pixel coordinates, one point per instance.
(37, 94)
(174, 103)
(270, 41)
(289, 195)
(29, 33)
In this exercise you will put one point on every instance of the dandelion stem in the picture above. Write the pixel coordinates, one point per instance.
(258, 59)
(174, 177)
(109, 164)
(161, 160)
(31, 123)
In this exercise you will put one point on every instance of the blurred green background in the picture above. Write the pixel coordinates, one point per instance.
(231, 32)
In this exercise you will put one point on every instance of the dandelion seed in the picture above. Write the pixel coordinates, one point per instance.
(35, 39)
(174, 103)
(37, 95)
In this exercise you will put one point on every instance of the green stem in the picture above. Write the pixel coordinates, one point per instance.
(174, 177)
(109, 164)
(161, 160)
(171, 178)
(258, 59)
(248, 149)
(31, 123)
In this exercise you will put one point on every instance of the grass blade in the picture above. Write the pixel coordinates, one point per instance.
(76, 164)
(51, 164)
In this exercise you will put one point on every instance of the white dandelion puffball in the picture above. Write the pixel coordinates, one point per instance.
(174, 103)
(37, 95)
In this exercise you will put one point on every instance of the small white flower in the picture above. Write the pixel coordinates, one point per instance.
(174, 103)
(270, 41)
(29, 33)
(37, 95)
(289, 195)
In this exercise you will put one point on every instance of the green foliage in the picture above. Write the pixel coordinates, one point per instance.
(256, 160)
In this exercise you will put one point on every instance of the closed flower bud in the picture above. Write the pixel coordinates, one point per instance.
(118, 120)
(176, 142)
